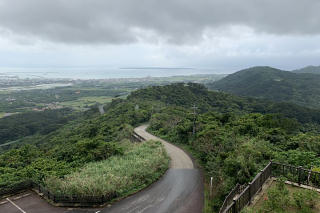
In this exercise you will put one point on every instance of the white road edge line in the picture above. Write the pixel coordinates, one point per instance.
(22, 196)
(4, 202)
(16, 205)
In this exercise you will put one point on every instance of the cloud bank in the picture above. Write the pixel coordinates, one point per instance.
(172, 21)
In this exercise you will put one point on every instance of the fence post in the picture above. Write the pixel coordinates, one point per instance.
(261, 178)
(299, 174)
(249, 193)
(211, 185)
(235, 209)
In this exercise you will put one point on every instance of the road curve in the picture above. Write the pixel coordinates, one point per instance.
(179, 159)
(180, 190)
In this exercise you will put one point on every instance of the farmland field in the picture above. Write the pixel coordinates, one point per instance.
(86, 102)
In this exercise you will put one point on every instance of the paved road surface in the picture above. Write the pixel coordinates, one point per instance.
(180, 190)
(27, 202)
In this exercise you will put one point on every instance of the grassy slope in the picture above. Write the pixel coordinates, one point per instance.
(140, 166)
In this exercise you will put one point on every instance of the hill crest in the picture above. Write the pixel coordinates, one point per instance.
(273, 84)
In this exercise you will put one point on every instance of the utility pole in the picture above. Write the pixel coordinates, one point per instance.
(194, 107)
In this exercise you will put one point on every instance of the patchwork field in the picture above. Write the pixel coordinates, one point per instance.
(86, 102)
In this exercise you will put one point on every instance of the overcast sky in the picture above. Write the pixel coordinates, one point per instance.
(225, 35)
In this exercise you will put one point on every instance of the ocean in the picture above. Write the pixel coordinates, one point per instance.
(100, 73)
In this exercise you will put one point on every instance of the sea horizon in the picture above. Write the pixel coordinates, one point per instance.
(102, 73)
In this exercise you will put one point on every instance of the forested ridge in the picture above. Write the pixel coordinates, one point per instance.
(273, 84)
(308, 69)
(186, 95)
(20, 125)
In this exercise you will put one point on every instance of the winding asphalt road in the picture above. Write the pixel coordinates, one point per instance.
(180, 190)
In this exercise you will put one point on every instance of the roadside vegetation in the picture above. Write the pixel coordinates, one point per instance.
(282, 198)
(139, 166)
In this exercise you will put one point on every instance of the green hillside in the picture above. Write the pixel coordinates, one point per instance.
(273, 84)
(308, 69)
(186, 95)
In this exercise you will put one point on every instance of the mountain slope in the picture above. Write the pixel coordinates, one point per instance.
(273, 84)
(308, 69)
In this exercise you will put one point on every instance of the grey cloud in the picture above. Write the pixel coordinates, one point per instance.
(177, 21)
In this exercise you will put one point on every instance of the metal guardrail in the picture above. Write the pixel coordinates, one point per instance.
(138, 137)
